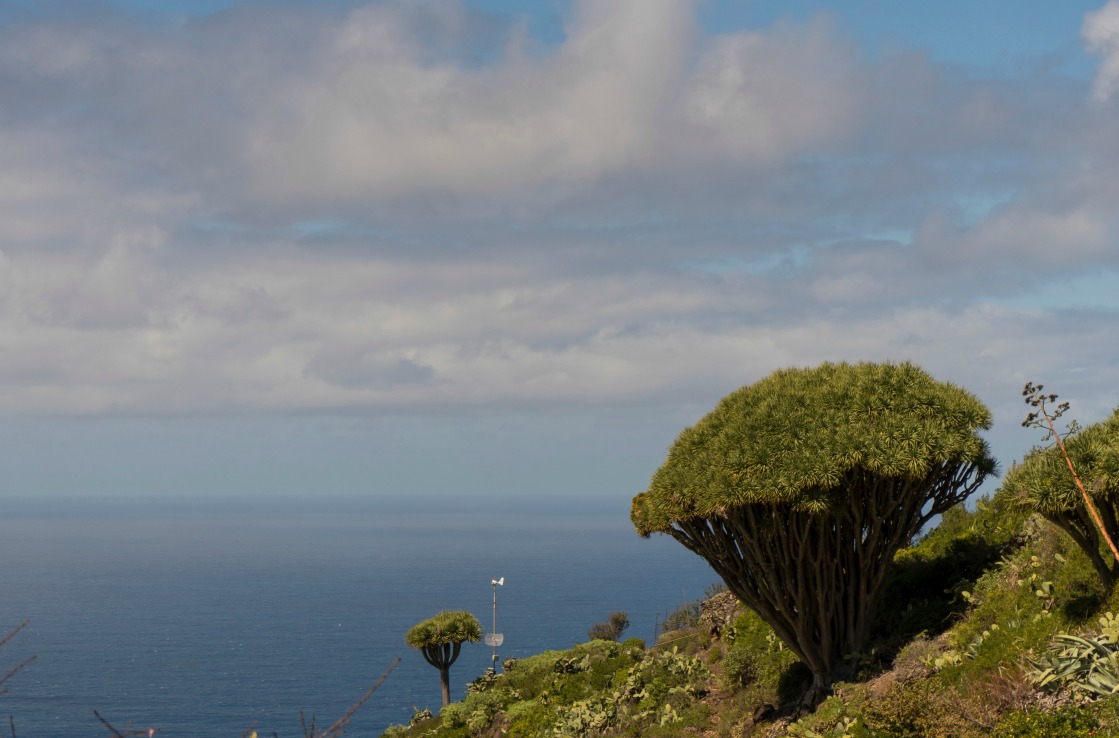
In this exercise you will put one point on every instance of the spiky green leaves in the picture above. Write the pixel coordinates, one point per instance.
(1043, 483)
(447, 627)
(793, 437)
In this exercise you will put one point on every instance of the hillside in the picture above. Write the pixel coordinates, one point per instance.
(961, 648)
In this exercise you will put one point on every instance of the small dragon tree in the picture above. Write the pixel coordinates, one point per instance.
(799, 490)
(1048, 480)
(440, 638)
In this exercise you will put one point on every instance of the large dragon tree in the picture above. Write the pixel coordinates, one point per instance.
(798, 491)
(440, 638)
(1043, 483)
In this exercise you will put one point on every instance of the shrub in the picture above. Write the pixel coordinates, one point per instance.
(529, 719)
(455, 714)
(1068, 722)
(1016, 605)
(922, 709)
(633, 644)
(756, 657)
(923, 593)
(610, 629)
(740, 667)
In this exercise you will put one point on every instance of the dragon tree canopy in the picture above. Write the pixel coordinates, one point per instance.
(794, 437)
(447, 627)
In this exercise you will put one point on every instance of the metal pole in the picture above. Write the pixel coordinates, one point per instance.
(494, 666)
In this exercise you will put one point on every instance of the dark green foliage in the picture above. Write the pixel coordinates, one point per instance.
(529, 719)
(1068, 722)
(1031, 593)
(1106, 709)
(757, 661)
(793, 437)
(1042, 483)
(793, 681)
(739, 667)
(611, 628)
(924, 593)
(799, 490)
(632, 643)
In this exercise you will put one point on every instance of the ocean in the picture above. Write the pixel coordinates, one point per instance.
(206, 618)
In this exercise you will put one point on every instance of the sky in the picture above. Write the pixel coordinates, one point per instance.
(507, 251)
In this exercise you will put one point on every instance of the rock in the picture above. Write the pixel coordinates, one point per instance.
(717, 613)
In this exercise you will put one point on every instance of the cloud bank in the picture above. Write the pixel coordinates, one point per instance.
(323, 211)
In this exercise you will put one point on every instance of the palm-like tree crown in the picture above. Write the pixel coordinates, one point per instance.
(447, 627)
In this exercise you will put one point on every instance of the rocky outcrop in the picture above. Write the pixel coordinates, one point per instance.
(716, 613)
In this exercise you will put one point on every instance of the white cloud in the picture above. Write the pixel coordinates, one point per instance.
(373, 118)
(766, 95)
(123, 334)
(1101, 36)
(526, 231)
(1018, 239)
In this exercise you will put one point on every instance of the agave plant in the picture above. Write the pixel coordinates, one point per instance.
(1089, 665)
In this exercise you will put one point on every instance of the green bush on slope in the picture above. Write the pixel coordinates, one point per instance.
(924, 594)
(586, 690)
(1069, 722)
(995, 585)
(756, 661)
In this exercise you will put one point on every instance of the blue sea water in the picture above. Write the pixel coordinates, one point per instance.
(205, 619)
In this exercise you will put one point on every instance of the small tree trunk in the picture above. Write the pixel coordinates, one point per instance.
(445, 684)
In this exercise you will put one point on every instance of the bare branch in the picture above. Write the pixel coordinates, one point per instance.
(129, 732)
(340, 727)
(14, 630)
(18, 666)
(13, 672)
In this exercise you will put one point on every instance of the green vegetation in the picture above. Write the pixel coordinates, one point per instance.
(800, 489)
(440, 639)
(994, 623)
(594, 688)
(1000, 597)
